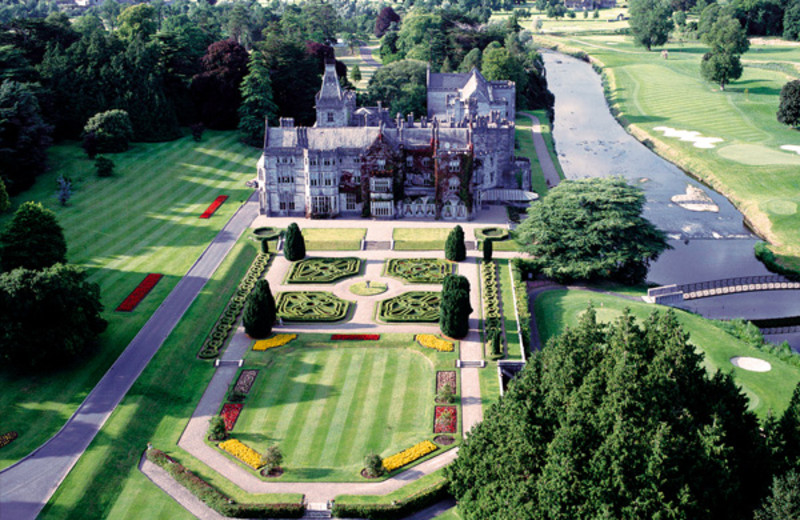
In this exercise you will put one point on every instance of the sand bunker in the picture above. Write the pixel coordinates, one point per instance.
(695, 199)
(697, 140)
(791, 148)
(750, 363)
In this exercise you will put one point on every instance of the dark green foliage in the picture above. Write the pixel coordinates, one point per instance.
(591, 229)
(487, 250)
(784, 502)
(5, 202)
(394, 510)
(471, 61)
(33, 239)
(373, 465)
(767, 257)
(323, 270)
(139, 20)
(294, 246)
(651, 22)
(215, 499)
(401, 85)
(216, 429)
(789, 105)
(104, 166)
(295, 77)
(618, 421)
(728, 41)
(788, 434)
(791, 20)
(111, 131)
(355, 73)
(455, 308)
(455, 249)
(311, 306)
(257, 104)
(50, 317)
(217, 90)
(272, 458)
(24, 136)
(496, 342)
(259, 311)
(422, 306)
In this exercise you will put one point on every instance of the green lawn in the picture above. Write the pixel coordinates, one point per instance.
(420, 239)
(526, 148)
(450, 514)
(771, 390)
(142, 220)
(404, 492)
(333, 239)
(105, 482)
(509, 315)
(748, 166)
(490, 385)
(329, 404)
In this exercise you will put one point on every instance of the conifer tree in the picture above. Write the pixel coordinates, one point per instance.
(455, 308)
(294, 248)
(257, 104)
(487, 250)
(259, 311)
(454, 247)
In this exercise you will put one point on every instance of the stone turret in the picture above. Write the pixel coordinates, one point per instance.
(334, 104)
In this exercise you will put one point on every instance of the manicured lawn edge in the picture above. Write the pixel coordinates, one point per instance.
(403, 502)
(513, 346)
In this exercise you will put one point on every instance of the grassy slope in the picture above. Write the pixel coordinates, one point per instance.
(748, 165)
(144, 219)
(556, 310)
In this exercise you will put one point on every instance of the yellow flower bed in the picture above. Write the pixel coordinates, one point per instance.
(431, 341)
(408, 456)
(242, 452)
(278, 340)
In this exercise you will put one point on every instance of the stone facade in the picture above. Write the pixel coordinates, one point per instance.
(362, 162)
(455, 97)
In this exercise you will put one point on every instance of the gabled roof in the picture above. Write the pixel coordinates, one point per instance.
(330, 84)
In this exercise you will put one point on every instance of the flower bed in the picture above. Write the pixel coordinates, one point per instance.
(230, 412)
(445, 419)
(398, 460)
(277, 340)
(214, 206)
(431, 341)
(245, 381)
(411, 306)
(242, 452)
(138, 294)
(311, 306)
(419, 270)
(445, 377)
(355, 337)
(6, 438)
(323, 270)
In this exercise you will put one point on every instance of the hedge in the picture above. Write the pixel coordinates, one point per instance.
(215, 499)
(523, 310)
(395, 509)
(491, 303)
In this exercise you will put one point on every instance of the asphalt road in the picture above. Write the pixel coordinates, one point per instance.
(26, 486)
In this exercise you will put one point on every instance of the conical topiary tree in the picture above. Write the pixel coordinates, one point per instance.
(294, 248)
(487, 250)
(259, 311)
(454, 247)
(455, 309)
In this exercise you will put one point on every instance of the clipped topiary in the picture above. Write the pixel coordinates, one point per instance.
(373, 465)
(455, 308)
(259, 311)
(294, 248)
(454, 247)
(487, 250)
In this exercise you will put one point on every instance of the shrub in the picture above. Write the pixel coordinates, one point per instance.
(373, 465)
(104, 166)
(487, 250)
(295, 246)
(33, 239)
(523, 309)
(454, 247)
(446, 394)
(396, 509)
(259, 311)
(272, 458)
(112, 131)
(216, 429)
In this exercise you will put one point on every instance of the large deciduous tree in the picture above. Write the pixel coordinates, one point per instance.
(50, 316)
(33, 239)
(216, 90)
(385, 19)
(591, 229)
(789, 104)
(257, 104)
(259, 311)
(615, 421)
(454, 309)
(110, 131)
(401, 84)
(24, 136)
(651, 22)
(728, 41)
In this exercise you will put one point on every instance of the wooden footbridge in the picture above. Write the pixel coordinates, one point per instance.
(676, 294)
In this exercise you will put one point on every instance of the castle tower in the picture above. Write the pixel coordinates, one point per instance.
(334, 104)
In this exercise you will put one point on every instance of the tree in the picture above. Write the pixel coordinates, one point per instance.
(487, 250)
(373, 464)
(728, 40)
(5, 202)
(111, 131)
(272, 458)
(33, 239)
(24, 136)
(385, 19)
(64, 191)
(401, 85)
(789, 104)
(614, 421)
(650, 22)
(104, 166)
(784, 502)
(50, 316)
(471, 61)
(791, 20)
(295, 77)
(216, 428)
(455, 308)
(294, 247)
(257, 104)
(455, 249)
(216, 90)
(591, 229)
(259, 311)
(355, 73)
(139, 20)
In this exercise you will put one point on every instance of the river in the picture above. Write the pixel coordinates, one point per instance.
(706, 245)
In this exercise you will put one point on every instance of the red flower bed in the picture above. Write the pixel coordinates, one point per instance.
(442, 424)
(356, 337)
(138, 294)
(214, 206)
(230, 412)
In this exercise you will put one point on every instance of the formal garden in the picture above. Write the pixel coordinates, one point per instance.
(311, 306)
(419, 270)
(323, 270)
(412, 306)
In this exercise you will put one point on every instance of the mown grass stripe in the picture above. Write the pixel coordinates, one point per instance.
(291, 395)
(383, 426)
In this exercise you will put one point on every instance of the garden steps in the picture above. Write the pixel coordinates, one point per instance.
(464, 363)
(377, 245)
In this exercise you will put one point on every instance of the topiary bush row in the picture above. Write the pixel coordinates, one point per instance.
(492, 327)
(396, 509)
(227, 321)
(215, 499)
(523, 309)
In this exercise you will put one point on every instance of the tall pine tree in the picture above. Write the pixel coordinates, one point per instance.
(257, 104)
(259, 311)
(454, 247)
(455, 308)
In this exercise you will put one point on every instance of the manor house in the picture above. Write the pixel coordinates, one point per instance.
(361, 161)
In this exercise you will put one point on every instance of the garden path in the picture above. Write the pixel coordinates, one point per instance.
(546, 162)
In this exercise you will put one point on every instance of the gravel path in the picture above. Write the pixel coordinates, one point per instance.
(546, 162)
